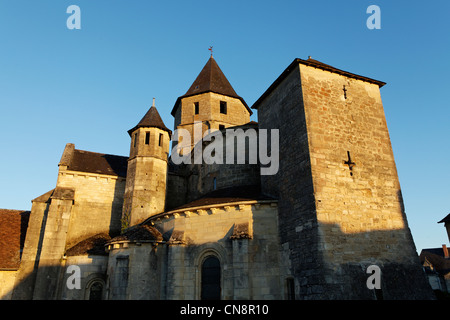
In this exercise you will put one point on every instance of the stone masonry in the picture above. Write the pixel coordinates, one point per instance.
(341, 208)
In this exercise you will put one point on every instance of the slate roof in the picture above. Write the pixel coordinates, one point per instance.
(317, 64)
(13, 228)
(446, 219)
(141, 232)
(94, 245)
(231, 194)
(211, 79)
(152, 119)
(93, 162)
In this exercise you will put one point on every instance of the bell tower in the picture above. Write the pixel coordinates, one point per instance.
(145, 189)
(210, 102)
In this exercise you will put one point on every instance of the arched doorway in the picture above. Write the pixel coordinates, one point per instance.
(211, 278)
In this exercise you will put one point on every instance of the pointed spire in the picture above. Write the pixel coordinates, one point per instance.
(151, 119)
(211, 78)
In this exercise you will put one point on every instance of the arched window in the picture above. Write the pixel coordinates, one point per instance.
(210, 283)
(95, 290)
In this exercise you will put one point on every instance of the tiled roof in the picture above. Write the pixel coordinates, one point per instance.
(13, 228)
(211, 79)
(92, 162)
(151, 119)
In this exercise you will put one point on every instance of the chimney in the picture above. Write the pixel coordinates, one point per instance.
(444, 248)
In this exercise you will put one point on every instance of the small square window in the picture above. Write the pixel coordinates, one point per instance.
(196, 107)
(221, 127)
(223, 107)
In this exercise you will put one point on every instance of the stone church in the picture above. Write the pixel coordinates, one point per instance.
(146, 227)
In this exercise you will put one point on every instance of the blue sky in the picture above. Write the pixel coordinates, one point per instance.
(90, 86)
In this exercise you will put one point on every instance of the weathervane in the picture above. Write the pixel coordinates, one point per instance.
(211, 49)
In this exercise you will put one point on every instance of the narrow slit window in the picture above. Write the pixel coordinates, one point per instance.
(290, 288)
(223, 107)
(196, 108)
(160, 139)
(147, 138)
(135, 140)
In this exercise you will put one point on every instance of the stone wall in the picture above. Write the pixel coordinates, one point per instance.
(209, 115)
(92, 269)
(52, 243)
(358, 198)
(98, 204)
(7, 279)
(292, 185)
(176, 193)
(26, 276)
(136, 271)
(191, 181)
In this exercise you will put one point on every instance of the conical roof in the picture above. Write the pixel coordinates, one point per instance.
(211, 79)
(152, 119)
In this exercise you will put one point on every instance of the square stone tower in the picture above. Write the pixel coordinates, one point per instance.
(340, 203)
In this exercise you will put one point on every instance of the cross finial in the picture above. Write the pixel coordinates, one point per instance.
(153, 102)
(211, 49)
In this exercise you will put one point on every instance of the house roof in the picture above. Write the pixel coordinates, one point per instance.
(435, 256)
(211, 79)
(13, 228)
(151, 119)
(93, 162)
(316, 64)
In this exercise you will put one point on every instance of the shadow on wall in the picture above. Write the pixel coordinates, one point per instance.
(81, 282)
(344, 266)
(347, 256)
